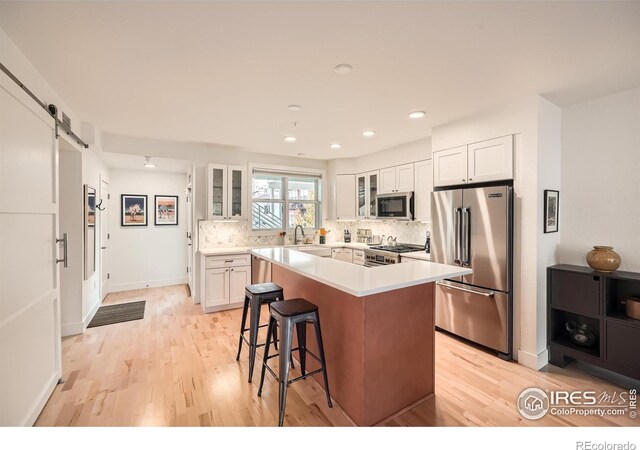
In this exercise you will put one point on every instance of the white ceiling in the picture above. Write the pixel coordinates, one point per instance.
(137, 162)
(224, 72)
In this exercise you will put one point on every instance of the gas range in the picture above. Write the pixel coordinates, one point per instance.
(382, 255)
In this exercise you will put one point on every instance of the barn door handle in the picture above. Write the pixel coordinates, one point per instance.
(64, 242)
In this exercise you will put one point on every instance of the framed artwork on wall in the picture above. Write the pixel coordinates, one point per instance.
(551, 210)
(133, 210)
(166, 210)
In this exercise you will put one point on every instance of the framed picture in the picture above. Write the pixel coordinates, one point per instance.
(166, 210)
(133, 210)
(551, 206)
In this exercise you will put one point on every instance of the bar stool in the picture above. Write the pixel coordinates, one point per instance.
(286, 314)
(255, 296)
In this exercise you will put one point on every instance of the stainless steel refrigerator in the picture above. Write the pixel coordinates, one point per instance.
(473, 227)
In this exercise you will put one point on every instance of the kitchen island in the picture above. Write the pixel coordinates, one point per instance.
(377, 327)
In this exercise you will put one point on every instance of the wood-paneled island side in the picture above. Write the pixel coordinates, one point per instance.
(377, 326)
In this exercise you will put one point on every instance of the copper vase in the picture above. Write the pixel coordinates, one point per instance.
(603, 259)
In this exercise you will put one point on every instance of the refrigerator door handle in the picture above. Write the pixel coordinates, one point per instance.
(466, 237)
(477, 291)
(456, 235)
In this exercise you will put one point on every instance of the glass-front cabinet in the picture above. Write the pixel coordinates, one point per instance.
(225, 193)
(366, 192)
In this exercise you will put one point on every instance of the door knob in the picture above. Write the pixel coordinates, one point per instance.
(103, 248)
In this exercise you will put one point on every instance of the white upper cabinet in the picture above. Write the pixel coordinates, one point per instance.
(450, 166)
(491, 160)
(404, 178)
(423, 190)
(226, 192)
(345, 198)
(396, 179)
(474, 163)
(366, 192)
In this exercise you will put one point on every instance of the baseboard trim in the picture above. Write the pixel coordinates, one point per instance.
(224, 307)
(146, 284)
(44, 398)
(71, 329)
(533, 361)
(94, 310)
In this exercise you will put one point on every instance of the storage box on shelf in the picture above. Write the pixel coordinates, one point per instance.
(584, 296)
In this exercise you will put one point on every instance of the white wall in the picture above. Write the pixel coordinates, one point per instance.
(534, 122)
(200, 153)
(93, 171)
(600, 178)
(153, 255)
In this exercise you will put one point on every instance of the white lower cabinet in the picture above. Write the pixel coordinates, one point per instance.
(216, 287)
(342, 254)
(225, 278)
(239, 278)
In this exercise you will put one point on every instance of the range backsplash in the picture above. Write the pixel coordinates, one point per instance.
(237, 234)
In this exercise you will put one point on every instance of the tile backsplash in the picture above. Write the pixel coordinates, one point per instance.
(237, 234)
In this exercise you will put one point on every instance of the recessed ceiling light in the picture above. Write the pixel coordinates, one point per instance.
(336, 146)
(417, 114)
(368, 133)
(343, 69)
(294, 107)
(289, 138)
(149, 164)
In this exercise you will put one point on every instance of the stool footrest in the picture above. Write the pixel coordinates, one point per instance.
(307, 351)
(302, 377)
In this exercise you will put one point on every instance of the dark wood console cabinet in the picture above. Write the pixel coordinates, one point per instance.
(585, 296)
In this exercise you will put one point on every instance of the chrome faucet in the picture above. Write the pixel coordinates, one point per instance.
(295, 234)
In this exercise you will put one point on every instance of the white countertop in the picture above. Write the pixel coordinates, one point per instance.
(357, 280)
(214, 251)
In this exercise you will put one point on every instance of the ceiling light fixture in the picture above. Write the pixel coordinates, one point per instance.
(417, 114)
(342, 69)
(336, 146)
(149, 164)
(294, 107)
(289, 138)
(368, 133)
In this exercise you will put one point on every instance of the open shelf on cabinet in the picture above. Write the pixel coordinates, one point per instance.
(559, 335)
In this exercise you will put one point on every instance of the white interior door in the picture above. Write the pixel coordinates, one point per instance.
(105, 236)
(29, 275)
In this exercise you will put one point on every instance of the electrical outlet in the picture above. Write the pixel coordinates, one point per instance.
(232, 238)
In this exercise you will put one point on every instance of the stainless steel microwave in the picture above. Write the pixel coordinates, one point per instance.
(398, 205)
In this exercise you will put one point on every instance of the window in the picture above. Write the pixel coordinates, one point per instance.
(283, 201)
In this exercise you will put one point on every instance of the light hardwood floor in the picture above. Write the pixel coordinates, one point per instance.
(177, 367)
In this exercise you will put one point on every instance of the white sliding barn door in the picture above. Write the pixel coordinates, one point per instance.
(29, 276)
